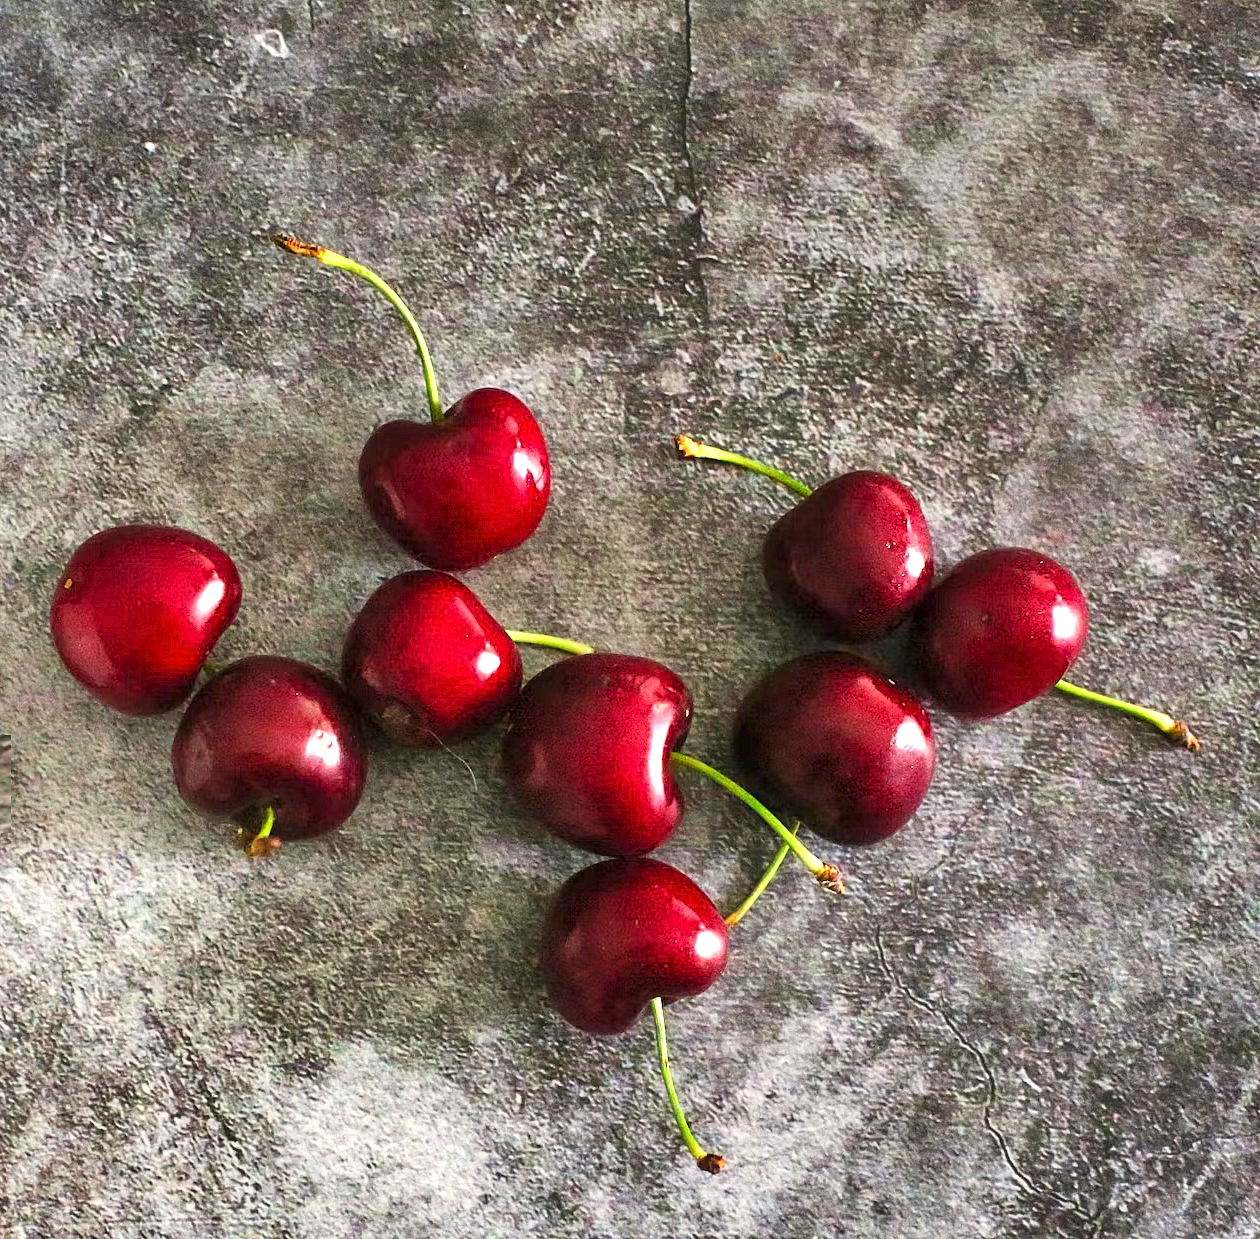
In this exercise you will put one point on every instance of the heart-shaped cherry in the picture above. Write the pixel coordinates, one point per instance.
(137, 610)
(457, 492)
(622, 932)
(588, 747)
(839, 745)
(1002, 628)
(271, 742)
(428, 663)
(468, 485)
(854, 556)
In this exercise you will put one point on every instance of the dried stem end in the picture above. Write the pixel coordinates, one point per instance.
(711, 1163)
(294, 246)
(830, 878)
(686, 445)
(1181, 734)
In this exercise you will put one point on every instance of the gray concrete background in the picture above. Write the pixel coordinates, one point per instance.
(1006, 249)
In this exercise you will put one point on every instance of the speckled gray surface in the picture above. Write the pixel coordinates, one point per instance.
(1005, 249)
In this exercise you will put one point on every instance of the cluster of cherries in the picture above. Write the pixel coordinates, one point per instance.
(277, 745)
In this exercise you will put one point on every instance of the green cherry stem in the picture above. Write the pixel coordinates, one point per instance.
(262, 844)
(825, 874)
(330, 258)
(766, 878)
(710, 1162)
(687, 446)
(1173, 728)
(551, 643)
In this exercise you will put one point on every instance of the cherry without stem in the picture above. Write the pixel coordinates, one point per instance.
(428, 663)
(845, 749)
(465, 487)
(137, 610)
(1174, 729)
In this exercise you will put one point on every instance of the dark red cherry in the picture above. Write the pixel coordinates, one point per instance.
(428, 663)
(137, 610)
(999, 630)
(623, 932)
(274, 733)
(838, 745)
(855, 556)
(587, 751)
(457, 492)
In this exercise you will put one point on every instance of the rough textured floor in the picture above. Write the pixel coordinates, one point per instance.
(1003, 248)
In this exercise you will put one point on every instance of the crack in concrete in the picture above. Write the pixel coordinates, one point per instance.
(310, 14)
(692, 184)
(1026, 1182)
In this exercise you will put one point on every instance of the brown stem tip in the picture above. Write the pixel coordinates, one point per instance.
(258, 848)
(711, 1163)
(1181, 734)
(686, 445)
(294, 246)
(830, 878)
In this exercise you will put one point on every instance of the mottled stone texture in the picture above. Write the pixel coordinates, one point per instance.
(1004, 248)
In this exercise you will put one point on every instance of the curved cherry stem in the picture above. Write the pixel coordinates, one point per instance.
(330, 258)
(766, 878)
(551, 643)
(262, 844)
(710, 1162)
(687, 446)
(1173, 728)
(825, 874)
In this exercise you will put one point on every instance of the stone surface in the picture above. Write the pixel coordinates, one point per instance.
(1003, 248)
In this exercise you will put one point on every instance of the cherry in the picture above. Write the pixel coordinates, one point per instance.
(1002, 628)
(588, 746)
(461, 489)
(428, 663)
(271, 742)
(637, 710)
(623, 935)
(137, 610)
(841, 746)
(855, 555)
(622, 932)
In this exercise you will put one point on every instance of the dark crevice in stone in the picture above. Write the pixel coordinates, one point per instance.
(1029, 1186)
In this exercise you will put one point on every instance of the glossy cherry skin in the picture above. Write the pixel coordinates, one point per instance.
(137, 610)
(838, 745)
(587, 751)
(428, 663)
(623, 932)
(270, 732)
(999, 630)
(855, 556)
(455, 493)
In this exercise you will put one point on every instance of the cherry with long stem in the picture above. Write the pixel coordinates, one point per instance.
(330, 258)
(825, 874)
(1177, 731)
